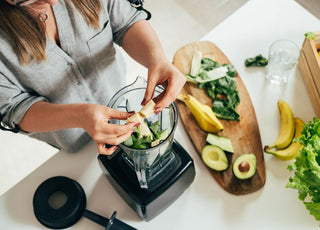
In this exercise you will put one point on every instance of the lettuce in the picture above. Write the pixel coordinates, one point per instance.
(306, 168)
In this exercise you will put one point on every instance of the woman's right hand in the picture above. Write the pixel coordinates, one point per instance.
(94, 120)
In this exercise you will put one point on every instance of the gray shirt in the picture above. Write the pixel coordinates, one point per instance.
(86, 68)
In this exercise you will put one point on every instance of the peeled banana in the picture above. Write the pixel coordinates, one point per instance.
(287, 126)
(292, 150)
(145, 112)
(203, 114)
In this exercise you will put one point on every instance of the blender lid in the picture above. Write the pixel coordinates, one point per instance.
(72, 210)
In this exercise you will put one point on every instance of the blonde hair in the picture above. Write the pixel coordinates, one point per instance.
(29, 35)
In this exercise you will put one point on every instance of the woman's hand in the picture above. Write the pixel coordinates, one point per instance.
(143, 45)
(166, 74)
(95, 121)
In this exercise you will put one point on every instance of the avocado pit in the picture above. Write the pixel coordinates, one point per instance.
(244, 166)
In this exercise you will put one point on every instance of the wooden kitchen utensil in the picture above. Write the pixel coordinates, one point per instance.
(244, 134)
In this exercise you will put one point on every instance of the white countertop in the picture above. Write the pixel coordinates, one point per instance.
(204, 205)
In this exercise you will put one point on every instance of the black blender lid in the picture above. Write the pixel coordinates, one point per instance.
(72, 210)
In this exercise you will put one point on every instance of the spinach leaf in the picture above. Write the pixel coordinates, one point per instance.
(223, 90)
(258, 60)
(224, 112)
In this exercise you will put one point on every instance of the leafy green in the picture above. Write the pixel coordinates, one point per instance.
(310, 35)
(258, 60)
(306, 168)
(225, 97)
(222, 89)
(137, 141)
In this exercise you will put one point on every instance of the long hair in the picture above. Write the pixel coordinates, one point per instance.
(28, 34)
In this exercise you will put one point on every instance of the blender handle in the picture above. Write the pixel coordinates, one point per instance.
(110, 224)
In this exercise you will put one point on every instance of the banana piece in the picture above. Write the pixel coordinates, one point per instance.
(145, 112)
(203, 114)
(148, 109)
(136, 118)
(292, 150)
(144, 130)
(287, 126)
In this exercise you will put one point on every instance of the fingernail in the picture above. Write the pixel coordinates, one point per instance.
(137, 124)
(157, 110)
(131, 112)
(115, 148)
(143, 101)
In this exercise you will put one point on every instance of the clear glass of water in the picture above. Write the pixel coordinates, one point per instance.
(283, 56)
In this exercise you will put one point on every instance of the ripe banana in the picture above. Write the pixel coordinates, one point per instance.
(203, 114)
(292, 150)
(287, 126)
(145, 112)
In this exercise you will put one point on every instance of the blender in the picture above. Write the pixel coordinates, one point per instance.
(150, 179)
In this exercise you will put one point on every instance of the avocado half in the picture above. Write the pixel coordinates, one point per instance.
(244, 167)
(214, 157)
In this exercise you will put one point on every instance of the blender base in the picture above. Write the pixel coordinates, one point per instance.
(148, 203)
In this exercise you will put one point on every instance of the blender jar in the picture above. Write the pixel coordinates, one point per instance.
(157, 161)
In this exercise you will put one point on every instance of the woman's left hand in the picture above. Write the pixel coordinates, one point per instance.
(166, 74)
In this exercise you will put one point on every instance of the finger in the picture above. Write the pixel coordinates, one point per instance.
(106, 151)
(121, 115)
(162, 101)
(169, 95)
(149, 92)
(110, 131)
(119, 139)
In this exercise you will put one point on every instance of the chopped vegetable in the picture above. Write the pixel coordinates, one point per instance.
(310, 35)
(223, 142)
(145, 136)
(196, 62)
(307, 168)
(218, 80)
(225, 97)
(258, 60)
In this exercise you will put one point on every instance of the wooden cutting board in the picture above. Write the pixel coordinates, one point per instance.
(244, 134)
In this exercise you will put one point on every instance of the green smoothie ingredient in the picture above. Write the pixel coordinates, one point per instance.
(222, 142)
(219, 82)
(214, 157)
(306, 168)
(146, 136)
(244, 167)
(258, 60)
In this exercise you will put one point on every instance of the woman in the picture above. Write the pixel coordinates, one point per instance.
(59, 66)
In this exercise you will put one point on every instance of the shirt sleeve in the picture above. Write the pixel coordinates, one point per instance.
(14, 103)
(122, 15)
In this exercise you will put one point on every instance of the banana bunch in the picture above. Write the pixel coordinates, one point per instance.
(283, 148)
(203, 114)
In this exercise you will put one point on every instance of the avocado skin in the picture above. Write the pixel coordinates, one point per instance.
(251, 159)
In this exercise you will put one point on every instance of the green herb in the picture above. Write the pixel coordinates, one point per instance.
(310, 35)
(307, 168)
(258, 60)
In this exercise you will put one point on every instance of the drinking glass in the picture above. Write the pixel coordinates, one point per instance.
(283, 56)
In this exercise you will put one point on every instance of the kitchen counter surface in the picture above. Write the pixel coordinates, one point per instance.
(204, 205)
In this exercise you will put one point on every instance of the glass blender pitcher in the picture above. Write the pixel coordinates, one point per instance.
(153, 164)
